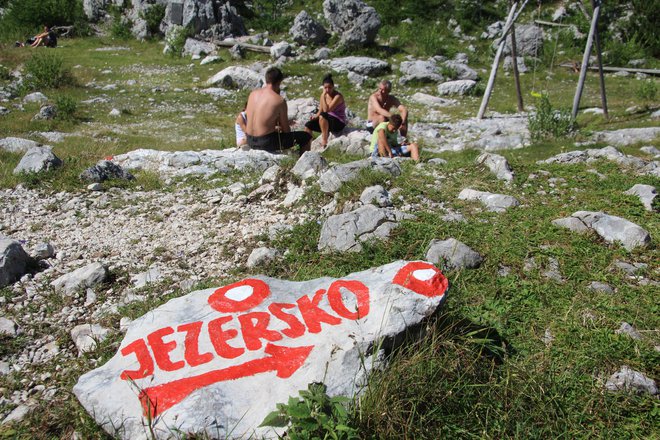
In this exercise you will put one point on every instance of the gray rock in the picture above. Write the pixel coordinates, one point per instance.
(93, 9)
(37, 160)
(37, 97)
(347, 232)
(630, 380)
(14, 261)
(301, 109)
(237, 52)
(281, 49)
(261, 256)
(376, 195)
(86, 337)
(630, 269)
(453, 254)
(508, 64)
(18, 414)
(529, 41)
(43, 251)
(46, 113)
(295, 194)
(310, 164)
(426, 99)
(95, 187)
(306, 30)
(492, 202)
(459, 87)
(356, 79)
(153, 275)
(627, 329)
(437, 161)
(463, 72)
(651, 151)
(420, 71)
(323, 330)
(638, 165)
(611, 228)
(332, 179)
(237, 77)
(105, 170)
(322, 54)
(355, 21)
(8, 327)
(598, 287)
(17, 145)
(646, 194)
(4, 368)
(4, 111)
(498, 165)
(627, 136)
(552, 272)
(210, 59)
(82, 278)
(361, 65)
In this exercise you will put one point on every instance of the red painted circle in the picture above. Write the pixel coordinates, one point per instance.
(432, 287)
(219, 300)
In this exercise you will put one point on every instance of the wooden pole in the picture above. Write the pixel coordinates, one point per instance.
(496, 62)
(603, 95)
(516, 74)
(585, 60)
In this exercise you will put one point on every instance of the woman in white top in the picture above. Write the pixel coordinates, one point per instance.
(240, 125)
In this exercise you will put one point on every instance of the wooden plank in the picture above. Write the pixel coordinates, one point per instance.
(617, 69)
(550, 23)
(247, 46)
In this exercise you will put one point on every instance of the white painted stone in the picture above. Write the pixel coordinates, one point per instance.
(228, 397)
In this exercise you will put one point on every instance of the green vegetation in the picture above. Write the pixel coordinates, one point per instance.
(153, 16)
(27, 17)
(549, 122)
(314, 416)
(47, 70)
(66, 107)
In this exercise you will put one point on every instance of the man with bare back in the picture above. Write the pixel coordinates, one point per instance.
(267, 124)
(380, 103)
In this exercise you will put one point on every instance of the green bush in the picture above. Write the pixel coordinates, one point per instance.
(647, 90)
(175, 39)
(268, 15)
(121, 29)
(548, 122)
(5, 74)
(66, 107)
(45, 69)
(315, 416)
(153, 16)
(619, 53)
(26, 17)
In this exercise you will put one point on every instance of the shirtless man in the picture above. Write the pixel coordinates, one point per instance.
(267, 124)
(380, 103)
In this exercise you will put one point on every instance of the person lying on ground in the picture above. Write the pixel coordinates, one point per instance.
(47, 38)
(331, 116)
(384, 141)
(240, 127)
(379, 106)
(267, 124)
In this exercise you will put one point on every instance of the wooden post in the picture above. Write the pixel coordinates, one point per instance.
(496, 62)
(599, 54)
(516, 74)
(585, 59)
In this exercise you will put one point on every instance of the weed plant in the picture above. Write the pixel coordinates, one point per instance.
(153, 16)
(47, 70)
(647, 90)
(66, 107)
(548, 121)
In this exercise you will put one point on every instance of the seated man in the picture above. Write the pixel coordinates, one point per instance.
(380, 103)
(384, 141)
(267, 124)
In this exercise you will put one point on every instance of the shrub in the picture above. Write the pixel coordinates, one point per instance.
(618, 53)
(5, 74)
(548, 122)
(175, 40)
(268, 15)
(25, 17)
(47, 70)
(315, 416)
(153, 16)
(121, 28)
(647, 90)
(66, 107)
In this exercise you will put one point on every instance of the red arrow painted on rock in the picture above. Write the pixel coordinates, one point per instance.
(284, 360)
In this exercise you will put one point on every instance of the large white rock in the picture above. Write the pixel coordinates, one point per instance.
(238, 77)
(216, 361)
(492, 202)
(17, 145)
(611, 228)
(361, 65)
(87, 276)
(498, 165)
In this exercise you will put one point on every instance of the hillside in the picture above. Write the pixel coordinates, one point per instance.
(545, 227)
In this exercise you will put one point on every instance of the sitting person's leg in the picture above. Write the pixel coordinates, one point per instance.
(301, 138)
(269, 142)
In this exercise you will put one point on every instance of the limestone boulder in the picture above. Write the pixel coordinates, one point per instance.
(354, 21)
(360, 65)
(462, 70)
(37, 160)
(498, 165)
(492, 202)
(237, 77)
(215, 362)
(627, 379)
(453, 254)
(333, 178)
(306, 30)
(86, 337)
(105, 170)
(347, 232)
(82, 278)
(458, 87)
(420, 71)
(14, 261)
(610, 228)
(646, 194)
(194, 47)
(309, 165)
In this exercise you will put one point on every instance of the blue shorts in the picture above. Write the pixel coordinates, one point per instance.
(397, 151)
